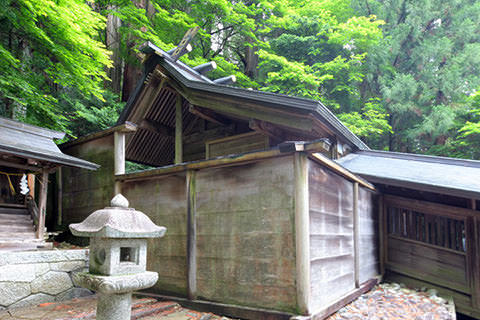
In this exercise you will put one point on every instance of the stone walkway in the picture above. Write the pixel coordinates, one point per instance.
(385, 302)
(393, 301)
(84, 308)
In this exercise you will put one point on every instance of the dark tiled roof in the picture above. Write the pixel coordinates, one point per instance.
(193, 80)
(32, 142)
(458, 177)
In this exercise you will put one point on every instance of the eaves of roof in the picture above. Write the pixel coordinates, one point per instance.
(179, 71)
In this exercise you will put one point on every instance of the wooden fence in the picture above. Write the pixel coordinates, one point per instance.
(435, 246)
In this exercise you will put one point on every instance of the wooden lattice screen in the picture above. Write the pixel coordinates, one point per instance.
(442, 231)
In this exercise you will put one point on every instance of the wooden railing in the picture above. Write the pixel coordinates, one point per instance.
(441, 231)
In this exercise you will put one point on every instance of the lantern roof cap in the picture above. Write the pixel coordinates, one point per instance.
(117, 221)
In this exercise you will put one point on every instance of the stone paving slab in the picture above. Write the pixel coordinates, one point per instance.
(84, 308)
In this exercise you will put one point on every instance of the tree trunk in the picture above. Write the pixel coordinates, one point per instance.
(112, 40)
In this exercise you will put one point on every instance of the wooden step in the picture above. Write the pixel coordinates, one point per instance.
(4, 210)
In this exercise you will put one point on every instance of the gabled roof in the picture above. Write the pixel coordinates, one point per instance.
(193, 81)
(36, 143)
(457, 177)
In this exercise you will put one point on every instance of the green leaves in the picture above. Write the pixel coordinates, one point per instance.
(46, 44)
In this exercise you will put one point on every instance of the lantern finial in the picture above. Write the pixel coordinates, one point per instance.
(119, 201)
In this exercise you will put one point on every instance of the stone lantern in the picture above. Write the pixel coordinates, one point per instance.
(118, 256)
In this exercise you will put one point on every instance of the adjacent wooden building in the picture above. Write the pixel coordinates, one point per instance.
(264, 218)
(27, 151)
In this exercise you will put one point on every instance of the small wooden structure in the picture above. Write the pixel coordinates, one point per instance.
(29, 150)
(254, 221)
(430, 221)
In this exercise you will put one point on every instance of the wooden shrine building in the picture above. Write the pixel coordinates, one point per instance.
(263, 218)
(27, 151)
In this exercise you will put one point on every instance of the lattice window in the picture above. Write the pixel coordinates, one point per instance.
(437, 230)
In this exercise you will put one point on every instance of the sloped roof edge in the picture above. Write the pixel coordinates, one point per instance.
(180, 71)
(458, 177)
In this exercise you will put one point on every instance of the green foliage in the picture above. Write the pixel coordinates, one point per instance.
(44, 46)
(370, 123)
(424, 69)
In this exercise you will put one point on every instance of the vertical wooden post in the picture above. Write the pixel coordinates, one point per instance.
(42, 204)
(302, 233)
(473, 250)
(59, 196)
(381, 234)
(356, 236)
(178, 130)
(191, 236)
(31, 184)
(119, 157)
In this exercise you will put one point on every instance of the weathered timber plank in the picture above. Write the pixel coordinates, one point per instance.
(245, 244)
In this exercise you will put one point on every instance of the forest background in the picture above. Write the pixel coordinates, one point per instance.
(403, 75)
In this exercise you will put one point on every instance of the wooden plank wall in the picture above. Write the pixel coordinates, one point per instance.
(245, 240)
(368, 212)
(85, 191)
(332, 236)
(433, 246)
(164, 200)
(234, 240)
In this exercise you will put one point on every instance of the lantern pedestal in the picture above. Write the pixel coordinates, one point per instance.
(118, 256)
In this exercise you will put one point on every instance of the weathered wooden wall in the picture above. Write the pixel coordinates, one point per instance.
(85, 191)
(244, 220)
(368, 212)
(164, 200)
(434, 246)
(245, 240)
(332, 254)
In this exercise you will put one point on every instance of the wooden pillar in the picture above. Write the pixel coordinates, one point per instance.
(178, 130)
(191, 236)
(356, 236)
(119, 157)
(31, 184)
(59, 196)
(381, 233)
(42, 204)
(302, 233)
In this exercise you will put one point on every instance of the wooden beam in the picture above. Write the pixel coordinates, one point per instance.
(267, 129)
(18, 165)
(208, 115)
(31, 185)
(382, 233)
(341, 170)
(157, 127)
(356, 236)
(119, 157)
(191, 236)
(334, 307)
(302, 233)
(178, 130)
(59, 196)
(42, 204)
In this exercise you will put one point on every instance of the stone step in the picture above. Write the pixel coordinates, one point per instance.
(7, 210)
(23, 246)
(15, 216)
(15, 222)
(16, 227)
(6, 236)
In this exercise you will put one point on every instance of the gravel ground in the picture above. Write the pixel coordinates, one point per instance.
(391, 301)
